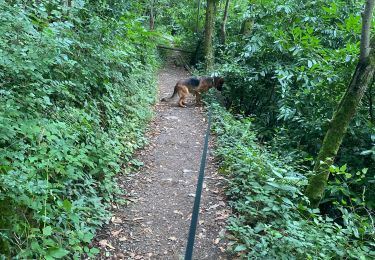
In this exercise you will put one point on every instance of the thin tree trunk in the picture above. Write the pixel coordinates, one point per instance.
(366, 28)
(152, 17)
(197, 23)
(225, 18)
(209, 29)
(370, 101)
(345, 111)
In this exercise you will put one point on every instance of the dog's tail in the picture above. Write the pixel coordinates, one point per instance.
(169, 98)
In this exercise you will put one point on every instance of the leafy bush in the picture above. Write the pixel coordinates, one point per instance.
(270, 219)
(76, 86)
(293, 67)
(289, 74)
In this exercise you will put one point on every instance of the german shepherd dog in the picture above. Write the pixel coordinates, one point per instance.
(196, 86)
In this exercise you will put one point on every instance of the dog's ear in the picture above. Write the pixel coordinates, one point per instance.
(219, 82)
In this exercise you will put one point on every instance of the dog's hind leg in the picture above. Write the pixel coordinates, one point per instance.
(183, 93)
(182, 102)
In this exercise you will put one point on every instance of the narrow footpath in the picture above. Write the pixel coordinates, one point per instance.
(155, 224)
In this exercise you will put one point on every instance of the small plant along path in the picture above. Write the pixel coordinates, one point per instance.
(155, 224)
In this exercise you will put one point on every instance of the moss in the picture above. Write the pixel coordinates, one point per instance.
(336, 132)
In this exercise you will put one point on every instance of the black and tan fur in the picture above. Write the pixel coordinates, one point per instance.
(195, 86)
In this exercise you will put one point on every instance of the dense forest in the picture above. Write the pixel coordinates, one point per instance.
(294, 123)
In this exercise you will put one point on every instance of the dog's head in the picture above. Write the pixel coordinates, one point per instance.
(218, 83)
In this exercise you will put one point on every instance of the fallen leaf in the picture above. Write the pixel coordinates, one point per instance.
(178, 212)
(115, 233)
(104, 243)
(122, 239)
(116, 220)
(224, 214)
(148, 230)
(213, 206)
(172, 238)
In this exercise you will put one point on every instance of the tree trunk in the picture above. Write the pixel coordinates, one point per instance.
(209, 29)
(152, 17)
(225, 18)
(345, 111)
(370, 101)
(197, 23)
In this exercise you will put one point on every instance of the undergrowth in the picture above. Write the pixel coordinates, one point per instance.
(76, 89)
(270, 219)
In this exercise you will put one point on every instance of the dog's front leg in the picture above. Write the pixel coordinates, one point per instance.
(198, 98)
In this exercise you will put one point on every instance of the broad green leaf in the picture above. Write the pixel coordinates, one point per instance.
(240, 248)
(47, 231)
(57, 252)
(67, 205)
(87, 237)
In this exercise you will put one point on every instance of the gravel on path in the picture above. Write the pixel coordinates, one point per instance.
(155, 223)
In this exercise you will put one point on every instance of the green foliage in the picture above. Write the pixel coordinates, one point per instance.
(284, 77)
(270, 219)
(293, 64)
(289, 75)
(76, 86)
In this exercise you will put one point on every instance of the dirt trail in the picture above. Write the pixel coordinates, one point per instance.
(155, 224)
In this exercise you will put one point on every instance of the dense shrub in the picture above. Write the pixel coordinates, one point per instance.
(293, 67)
(289, 74)
(76, 85)
(270, 219)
